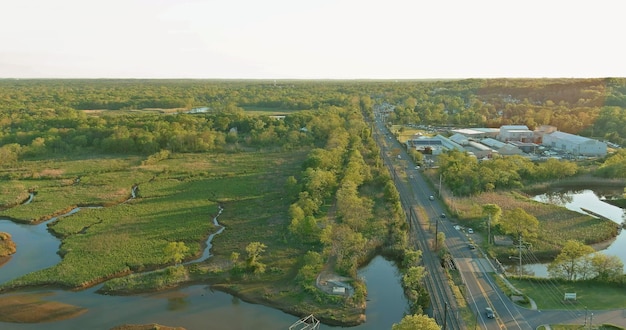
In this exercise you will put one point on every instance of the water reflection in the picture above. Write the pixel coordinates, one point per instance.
(192, 307)
(579, 200)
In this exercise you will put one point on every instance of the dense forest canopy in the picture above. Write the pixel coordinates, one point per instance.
(40, 116)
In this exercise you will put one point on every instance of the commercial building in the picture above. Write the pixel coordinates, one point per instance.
(515, 133)
(574, 144)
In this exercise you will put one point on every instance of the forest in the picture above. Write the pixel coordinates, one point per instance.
(38, 116)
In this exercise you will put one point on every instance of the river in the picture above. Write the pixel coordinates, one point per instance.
(191, 307)
(577, 199)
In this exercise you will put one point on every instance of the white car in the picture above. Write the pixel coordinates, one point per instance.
(470, 231)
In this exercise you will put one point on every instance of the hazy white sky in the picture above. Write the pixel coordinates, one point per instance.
(311, 39)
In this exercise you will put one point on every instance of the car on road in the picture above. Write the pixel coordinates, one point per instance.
(443, 215)
(471, 246)
(431, 197)
(470, 231)
(489, 313)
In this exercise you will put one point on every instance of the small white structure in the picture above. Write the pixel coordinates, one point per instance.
(339, 290)
(569, 296)
(575, 144)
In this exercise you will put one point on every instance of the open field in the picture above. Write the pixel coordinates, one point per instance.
(548, 294)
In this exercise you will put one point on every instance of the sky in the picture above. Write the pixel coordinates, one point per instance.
(311, 39)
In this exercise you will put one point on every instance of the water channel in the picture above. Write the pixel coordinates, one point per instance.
(191, 307)
(579, 199)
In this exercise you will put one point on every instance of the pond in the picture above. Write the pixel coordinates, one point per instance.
(191, 307)
(579, 199)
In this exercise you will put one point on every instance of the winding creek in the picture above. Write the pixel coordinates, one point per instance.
(191, 307)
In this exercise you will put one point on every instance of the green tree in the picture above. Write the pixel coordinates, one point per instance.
(175, 251)
(254, 250)
(411, 258)
(416, 322)
(607, 268)
(413, 277)
(520, 223)
(570, 263)
(493, 213)
(441, 238)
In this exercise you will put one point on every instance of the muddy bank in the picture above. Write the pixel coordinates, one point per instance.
(32, 308)
(7, 247)
(152, 326)
(333, 317)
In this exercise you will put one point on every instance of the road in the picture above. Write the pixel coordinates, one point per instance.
(475, 268)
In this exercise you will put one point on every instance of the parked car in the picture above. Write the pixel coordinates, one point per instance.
(489, 313)
(470, 230)
(471, 246)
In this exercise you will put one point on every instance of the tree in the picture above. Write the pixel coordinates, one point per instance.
(413, 277)
(416, 321)
(493, 212)
(411, 258)
(607, 268)
(175, 251)
(441, 238)
(569, 264)
(517, 221)
(254, 250)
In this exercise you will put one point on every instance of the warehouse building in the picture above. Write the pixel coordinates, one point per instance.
(575, 144)
(515, 133)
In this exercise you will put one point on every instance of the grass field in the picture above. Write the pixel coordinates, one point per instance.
(549, 294)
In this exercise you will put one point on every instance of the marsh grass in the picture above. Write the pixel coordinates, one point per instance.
(62, 185)
(556, 224)
(178, 199)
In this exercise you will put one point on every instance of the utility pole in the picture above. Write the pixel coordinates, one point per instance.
(440, 175)
(520, 254)
(436, 232)
(489, 230)
(445, 315)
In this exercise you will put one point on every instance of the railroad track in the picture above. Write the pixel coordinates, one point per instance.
(443, 303)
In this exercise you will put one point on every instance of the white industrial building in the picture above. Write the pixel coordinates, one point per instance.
(515, 133)
(504, 149)
(436, 144)
(575, 144)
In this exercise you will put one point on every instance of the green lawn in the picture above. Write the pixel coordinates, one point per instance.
(548, 294)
